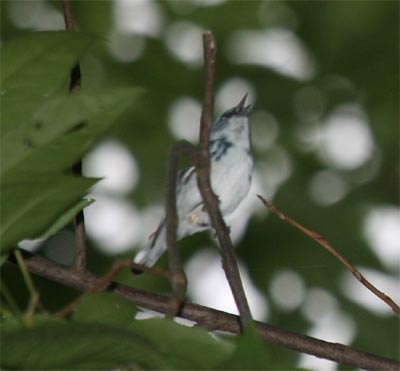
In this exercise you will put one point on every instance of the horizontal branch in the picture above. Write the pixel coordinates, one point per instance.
(212, 319)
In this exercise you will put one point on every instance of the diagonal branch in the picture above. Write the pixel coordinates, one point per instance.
(212, 319)
(324, 243)
(229, 262)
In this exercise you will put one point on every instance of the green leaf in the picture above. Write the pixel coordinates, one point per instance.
(45, 131)
(105, 307)
(74, 346)
(45, 55)
(66, 217)
(34, 68)
(186, 347)
(251, 353)
(150, 344)
(33, 202)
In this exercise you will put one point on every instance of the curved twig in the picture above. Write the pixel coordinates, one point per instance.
(324, 243)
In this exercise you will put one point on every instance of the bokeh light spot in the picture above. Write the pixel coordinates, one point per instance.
(36, 15)
(184, 119)
(279, 49)
(114, 224)
(207, 285)
(327, 187)
(318, 303)
(138, 16)
(287, 289)
(346, 140)
(126, 47)
(382, 231)
(114, 162)
(184, 41)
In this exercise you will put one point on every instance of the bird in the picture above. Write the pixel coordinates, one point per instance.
(231, 169)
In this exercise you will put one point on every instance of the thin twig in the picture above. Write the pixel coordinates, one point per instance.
(152, 270)
(229, 262)
(105, 280)
(74, 88)
(212, 319)
(210, 50)
(178, 278)
(34, 300)
(25, 273)
(101, 283)
(34, 303)
(324, 243)
(68, 17)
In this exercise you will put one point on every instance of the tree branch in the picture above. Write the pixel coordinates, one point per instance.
(178, 278)
(325, 243)
(74, 88)
(229, 262)
(212, 319)
(68, 16)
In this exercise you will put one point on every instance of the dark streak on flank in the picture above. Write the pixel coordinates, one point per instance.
(185, 175)
(218, 148)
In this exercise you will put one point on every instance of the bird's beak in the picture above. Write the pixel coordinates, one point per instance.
(241, 108)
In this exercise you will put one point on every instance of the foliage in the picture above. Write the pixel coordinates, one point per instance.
(44, 131)
(96, 340)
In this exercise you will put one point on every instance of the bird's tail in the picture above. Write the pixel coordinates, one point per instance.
(154, 248)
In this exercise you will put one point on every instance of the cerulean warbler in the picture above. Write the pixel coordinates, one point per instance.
(231, 172)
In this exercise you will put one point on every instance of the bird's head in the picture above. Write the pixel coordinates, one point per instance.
(233, 121)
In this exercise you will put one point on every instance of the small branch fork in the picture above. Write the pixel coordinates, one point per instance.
(324, 243)
(74, 88)
(201, 159)
(106, 280)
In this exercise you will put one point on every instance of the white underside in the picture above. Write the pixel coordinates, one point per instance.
(230, 181)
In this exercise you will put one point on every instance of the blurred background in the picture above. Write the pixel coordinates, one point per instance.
(323, 79)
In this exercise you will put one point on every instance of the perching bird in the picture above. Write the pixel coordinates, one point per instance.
(231, 172)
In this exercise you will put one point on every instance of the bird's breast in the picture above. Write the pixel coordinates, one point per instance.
(231, 176)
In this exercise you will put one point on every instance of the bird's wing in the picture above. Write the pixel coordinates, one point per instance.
(187, 193)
